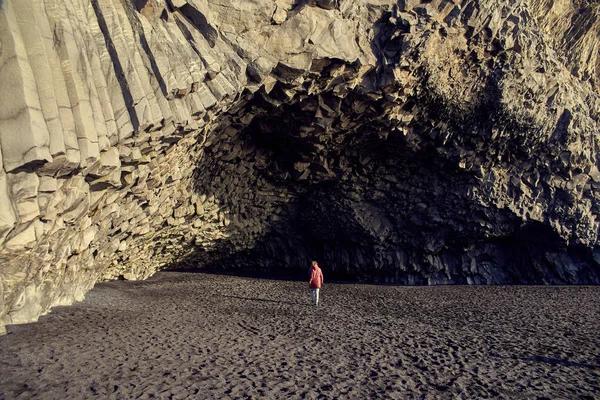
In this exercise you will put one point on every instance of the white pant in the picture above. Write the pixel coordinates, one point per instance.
(315, 296)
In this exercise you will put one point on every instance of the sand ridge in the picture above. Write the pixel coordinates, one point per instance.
(194, 335)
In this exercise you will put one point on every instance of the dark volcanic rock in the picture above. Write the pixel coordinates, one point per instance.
(408, 142)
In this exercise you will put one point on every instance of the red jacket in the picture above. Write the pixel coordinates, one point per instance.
(316, 277)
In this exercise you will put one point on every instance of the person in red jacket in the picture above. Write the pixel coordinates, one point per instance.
(315, 281)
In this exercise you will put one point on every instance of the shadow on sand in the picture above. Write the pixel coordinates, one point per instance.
(294, 275)
(264, 300)
(554, 361)
(283, 275)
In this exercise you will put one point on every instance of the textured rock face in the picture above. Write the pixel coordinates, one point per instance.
(408, 142)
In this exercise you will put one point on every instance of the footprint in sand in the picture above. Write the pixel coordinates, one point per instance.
(249, 328)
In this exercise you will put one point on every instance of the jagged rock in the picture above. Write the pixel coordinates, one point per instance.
(24, 236)
(24, 189)
(109, 161)
(280, 15)
(8, 216)
(415, 142)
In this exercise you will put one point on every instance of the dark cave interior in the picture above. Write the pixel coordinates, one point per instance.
(348, 188)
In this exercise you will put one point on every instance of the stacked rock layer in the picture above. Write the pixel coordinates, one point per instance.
(396, 141)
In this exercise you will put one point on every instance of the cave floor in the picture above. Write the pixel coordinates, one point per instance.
(195, 335)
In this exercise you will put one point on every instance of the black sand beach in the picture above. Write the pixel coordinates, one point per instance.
(192, 335)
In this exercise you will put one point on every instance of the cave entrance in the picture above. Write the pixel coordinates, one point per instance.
(316, 170)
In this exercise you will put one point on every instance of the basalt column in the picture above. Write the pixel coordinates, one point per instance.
(404, 141)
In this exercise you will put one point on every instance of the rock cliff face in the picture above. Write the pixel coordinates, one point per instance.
(418, 142)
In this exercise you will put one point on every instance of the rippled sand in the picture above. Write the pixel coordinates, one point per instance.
(191, 335)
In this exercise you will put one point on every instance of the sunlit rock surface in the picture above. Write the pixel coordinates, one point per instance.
(393, 141)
